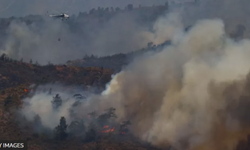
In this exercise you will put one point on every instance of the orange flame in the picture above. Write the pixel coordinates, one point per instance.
(108, 130)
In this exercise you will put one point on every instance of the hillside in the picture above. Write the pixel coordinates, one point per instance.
(12, 128)
(115, 62)
(182, 97)
(14, 73)
(15, 80)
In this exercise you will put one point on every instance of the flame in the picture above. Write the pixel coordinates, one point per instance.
(108, 129)
(26, 90)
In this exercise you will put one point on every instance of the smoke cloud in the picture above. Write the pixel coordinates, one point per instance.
(39, 103)
(192, 95)
(232, 12)
(58, 42)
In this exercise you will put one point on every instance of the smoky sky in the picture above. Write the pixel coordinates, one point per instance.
(20, 8)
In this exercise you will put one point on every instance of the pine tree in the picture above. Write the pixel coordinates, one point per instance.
(37, 123)
(60, 130)
(57, 101)
(37, 120)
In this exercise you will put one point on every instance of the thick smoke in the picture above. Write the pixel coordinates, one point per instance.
(40, 103)
(192, 95)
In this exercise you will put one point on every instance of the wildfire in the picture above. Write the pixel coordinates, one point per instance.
(26, 90)
(107, 129)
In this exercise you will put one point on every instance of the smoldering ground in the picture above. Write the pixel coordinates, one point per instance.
(192, 95)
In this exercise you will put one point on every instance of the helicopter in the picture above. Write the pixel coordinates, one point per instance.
(62, 16)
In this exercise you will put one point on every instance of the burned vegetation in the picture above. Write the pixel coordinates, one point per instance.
(92, 130)
(89, 127)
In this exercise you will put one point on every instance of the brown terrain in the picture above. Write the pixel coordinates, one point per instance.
(17, 76)
(15, 80)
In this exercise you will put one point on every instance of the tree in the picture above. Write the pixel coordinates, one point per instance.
(30, 61)
(37, 64)
(124, 127)
(130, 7)
(104, 119)
(57, 101)
(112, 9)
(3, 56)
(86, 57)
(60, 130)
(92, 115)
(92, 11)
(166, 5)
(37, 122)
(107, 9)
(92, 57)
(117, 9)
(21, 60)
(77, 128)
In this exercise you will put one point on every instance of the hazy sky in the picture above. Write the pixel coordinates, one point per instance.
(25, 7)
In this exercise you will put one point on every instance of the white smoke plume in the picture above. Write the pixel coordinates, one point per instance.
(40, 103)
(191, 95)
(177, 96)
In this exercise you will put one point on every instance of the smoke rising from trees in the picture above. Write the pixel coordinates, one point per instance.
(192, 94)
